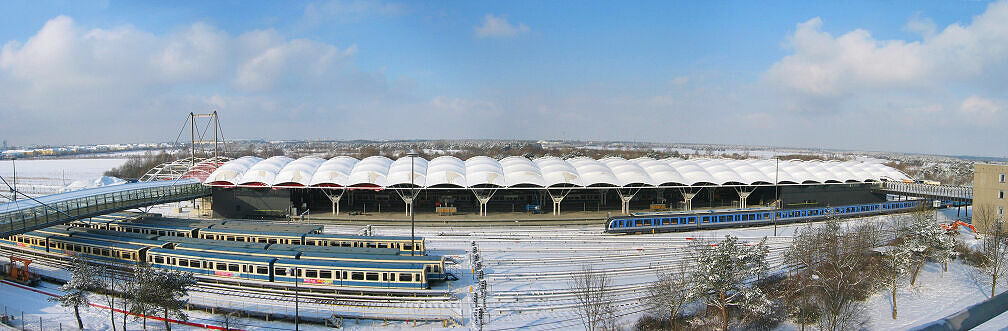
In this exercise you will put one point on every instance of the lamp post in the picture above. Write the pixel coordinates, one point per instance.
(412, 154)
(776, 194)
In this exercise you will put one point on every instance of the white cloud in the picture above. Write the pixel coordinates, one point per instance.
(825, 69)
(498, 27)
(980, 110)
(924, 26)
(74, 78)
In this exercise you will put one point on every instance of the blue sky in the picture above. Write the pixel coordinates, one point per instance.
(893, 75)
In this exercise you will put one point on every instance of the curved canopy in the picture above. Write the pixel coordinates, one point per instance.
(483, 171)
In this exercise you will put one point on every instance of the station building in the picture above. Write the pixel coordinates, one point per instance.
(252, 187)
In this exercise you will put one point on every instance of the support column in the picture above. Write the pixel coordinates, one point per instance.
(688, 196)
(483, 197)
(334, 197)
(557, 198)
(626, 197)
(743, 196)
(408, 198)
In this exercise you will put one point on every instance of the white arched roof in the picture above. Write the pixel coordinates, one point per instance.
(264, 172)
(449, 171)
(230, 173)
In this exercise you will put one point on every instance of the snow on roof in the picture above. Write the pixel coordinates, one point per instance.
(481, 171)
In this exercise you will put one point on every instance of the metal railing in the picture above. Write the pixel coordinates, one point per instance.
(29, 214)
(944, 192)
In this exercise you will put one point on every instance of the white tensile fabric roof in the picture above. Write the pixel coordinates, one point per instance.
(482, 171)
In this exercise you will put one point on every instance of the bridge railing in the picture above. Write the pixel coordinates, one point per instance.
(29, 214)
(937, 191)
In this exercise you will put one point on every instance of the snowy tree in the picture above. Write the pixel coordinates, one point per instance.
(157, 291)
(925, 239)
(83, 278)
(172, 290)
(835, 263)
(108, 282)
(139, 293)
(896, 264)
(720, 273)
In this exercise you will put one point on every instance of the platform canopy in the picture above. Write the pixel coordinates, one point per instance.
(379, 172)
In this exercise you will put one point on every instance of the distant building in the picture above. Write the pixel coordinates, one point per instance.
(989, 187)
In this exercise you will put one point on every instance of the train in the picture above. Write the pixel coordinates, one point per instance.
(717, 218)
(339, 266)
(294, 234)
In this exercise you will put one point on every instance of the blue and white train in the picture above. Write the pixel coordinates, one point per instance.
(705, 219)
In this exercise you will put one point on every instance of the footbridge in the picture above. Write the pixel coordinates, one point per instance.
(928, 191)
(27, 214)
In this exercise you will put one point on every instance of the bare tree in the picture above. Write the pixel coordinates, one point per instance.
(594, 305)
(993, 246)
(835, 262)
(109, 283)
(83, 278)
(668, 295)
(720, 272)
(924, 239)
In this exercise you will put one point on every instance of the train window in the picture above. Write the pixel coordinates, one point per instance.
(356, 275)
(241, 239)
(325, 274)
(405, 277)
(262, 270)
(245, 268)
(311, 273)
(280, 271)
(296, 242)
(436, 268)
(638, 223)
(273, 241)
(385, 276)
(183, 263)
(233, 267)
(382, 245)
(158, 259)
(373, 276)
(220, 266)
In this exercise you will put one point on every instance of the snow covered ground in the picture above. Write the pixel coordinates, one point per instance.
(42, 177)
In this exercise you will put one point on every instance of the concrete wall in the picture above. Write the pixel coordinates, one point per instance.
(987, 192)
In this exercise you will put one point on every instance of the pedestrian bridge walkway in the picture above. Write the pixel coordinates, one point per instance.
(928, 191)
(30, 214)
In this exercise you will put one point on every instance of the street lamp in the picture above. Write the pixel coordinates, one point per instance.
(412, 154)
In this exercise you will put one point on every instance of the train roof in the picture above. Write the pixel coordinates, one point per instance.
(205, 255)
(110, 233)
(703, 211)
(99, 243)
(253, 232)
(157, 226)
(403, 258)
(330, 236)
(336, 249)
(37, 233)
(267, 226)
(104, 238)
(237, 250)
(208, 242)
(349, 264)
